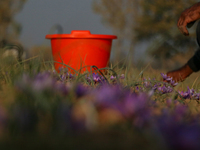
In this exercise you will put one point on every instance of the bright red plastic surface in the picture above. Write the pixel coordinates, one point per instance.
(81, 34)
(80, 49)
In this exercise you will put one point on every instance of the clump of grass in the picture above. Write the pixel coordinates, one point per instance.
(39, 103)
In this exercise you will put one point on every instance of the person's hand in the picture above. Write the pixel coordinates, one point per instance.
(181, 74)
(188, 17)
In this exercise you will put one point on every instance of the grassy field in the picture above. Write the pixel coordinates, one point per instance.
(121, 108)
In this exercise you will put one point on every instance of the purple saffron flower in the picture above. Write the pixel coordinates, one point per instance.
(112, 78)
(196, 96)
(136, 107)
(107, 95)
(185, 95)
(43, 81)
(88, 79)
(70, 76)
(163, 89)
(96, 78)
(147, 84)
(61, 69)
(66, 76)
(137, 88)
(81, 90)
(62, 88)
(189, 94)
(164, 76)
(190, 91)
(155, 87)
(169, 79)
(63, 77)
(173, 83)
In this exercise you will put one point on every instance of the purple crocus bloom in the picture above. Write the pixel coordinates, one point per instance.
(66, 76)
(173, 83)
(160, 89)
(107, 95)
(185, 95)
(189, 94)
(81, 90)
(61, 69)
(169, 79)
(137, 88)
(163, 89)
(147, 84)
(88, 79)
(112, 78)
(196, 96)
(43, 81)
(137, 106)
(61, 87)
(164, 76)
(69, 76)
(63, 77)
(155, 87)
(142, 100)
(190, 91)
(170, 89)
(96, 77)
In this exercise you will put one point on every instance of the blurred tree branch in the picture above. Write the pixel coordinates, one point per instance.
(119, 15)
(157, 22)
(139, 21)
(9, 28)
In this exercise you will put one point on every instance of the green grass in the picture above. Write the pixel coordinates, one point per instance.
(12, 72)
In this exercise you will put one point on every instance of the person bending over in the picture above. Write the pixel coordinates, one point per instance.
(187, 19)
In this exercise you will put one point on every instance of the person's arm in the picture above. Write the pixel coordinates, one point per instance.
(187, 19)
(180, 74)
(190, 15)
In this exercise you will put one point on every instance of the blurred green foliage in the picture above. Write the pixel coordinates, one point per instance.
(152, 22)
(9, 27)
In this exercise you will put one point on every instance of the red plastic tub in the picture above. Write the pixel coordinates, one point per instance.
(81, 49)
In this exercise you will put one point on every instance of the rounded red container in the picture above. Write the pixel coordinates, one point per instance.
(81, 49)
